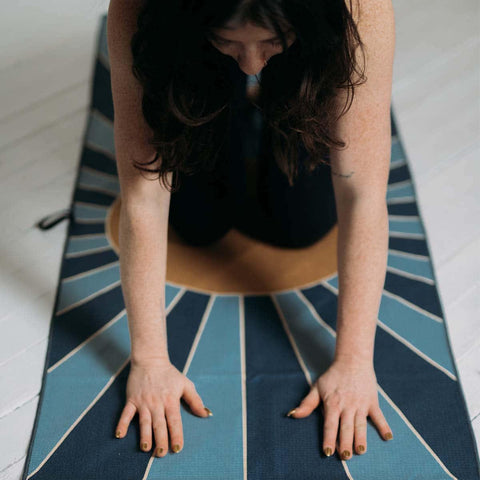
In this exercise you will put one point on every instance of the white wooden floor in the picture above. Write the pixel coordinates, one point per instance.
(46, 62)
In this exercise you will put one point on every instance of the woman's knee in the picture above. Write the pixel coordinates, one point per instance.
(202, 235)
(296, 235)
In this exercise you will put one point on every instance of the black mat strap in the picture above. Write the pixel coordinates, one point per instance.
(54, 218)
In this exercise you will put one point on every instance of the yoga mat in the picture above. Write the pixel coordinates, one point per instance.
(252, 355)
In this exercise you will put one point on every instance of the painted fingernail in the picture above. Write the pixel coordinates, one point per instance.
(291, 412)
(159, 451)
(361, 448)
(388, 436)
(327, 451)
(176, 448)
(144, 446)
(210, 414)
(118, 433)
(345, 454)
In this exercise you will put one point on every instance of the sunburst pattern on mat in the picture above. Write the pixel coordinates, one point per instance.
(251, 357)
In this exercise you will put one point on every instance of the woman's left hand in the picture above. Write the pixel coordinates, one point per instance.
(348, 394)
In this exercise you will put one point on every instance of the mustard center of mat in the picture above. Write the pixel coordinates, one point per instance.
(240, 264)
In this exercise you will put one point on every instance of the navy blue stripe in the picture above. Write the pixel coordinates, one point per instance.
(86, 228)
(430, 400)
(182, 326)
(75, 265)
(325, 303)
(72, 328)
(102, 95)
(399, 174)
(393, 125)
(98, 161)
(279, 446)
(409, 208)
(91, 196)
(415, 291)
(408, 245)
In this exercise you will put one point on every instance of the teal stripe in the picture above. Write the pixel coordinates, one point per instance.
(426, 334)
(82, 212)
(216, 373)
(333, 281)
(89, 179)
(170, 293)
(72, 291)
(63, 402)
(100, 133)
(102, 43)
(417, 266)
(397, 152)
(84, 245)
(405, 191)
(406, 226)
(315, 343)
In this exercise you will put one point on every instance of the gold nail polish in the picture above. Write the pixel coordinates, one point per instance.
(210, 414)
(327, 451)
(361, 448)
(388, 436)
(144, 446)
(345, 454)
(291, 412)
(118, 433)
(159, 451)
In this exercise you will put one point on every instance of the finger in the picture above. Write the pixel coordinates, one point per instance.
(195, 402)
(330, 428)
(145, 421)
(126, 416)
(346, 434)
(379, 420)
(174, 422)
(360, 425)
(307, 405)
(160, 432)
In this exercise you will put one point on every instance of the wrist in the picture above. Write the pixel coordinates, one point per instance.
(148, 359)
(352, 360)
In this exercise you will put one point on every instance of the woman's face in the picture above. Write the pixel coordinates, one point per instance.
(249, 44)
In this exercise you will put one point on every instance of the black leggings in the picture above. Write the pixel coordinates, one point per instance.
(204, 209)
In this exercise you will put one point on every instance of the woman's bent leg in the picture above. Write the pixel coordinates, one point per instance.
(290, 216)
(200, 210)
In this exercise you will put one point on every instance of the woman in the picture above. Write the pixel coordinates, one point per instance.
(178, 75)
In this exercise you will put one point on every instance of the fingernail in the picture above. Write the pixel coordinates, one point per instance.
(361, 448)
(210, 414)
(327, 451)
(159, 451)
(144, 446)
(176, 448)
(345, 454)
(118, 433)
(388, 436)
(291, 412)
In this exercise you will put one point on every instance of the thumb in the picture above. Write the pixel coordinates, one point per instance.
(194, 400)
(307, 405)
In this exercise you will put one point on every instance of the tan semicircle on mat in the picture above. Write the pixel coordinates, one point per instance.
(239, 264)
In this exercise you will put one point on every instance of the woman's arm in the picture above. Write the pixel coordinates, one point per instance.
(154, 385)
(145, 203)
(348, 389)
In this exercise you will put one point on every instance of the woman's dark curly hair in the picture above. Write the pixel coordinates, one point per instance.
(187, 89)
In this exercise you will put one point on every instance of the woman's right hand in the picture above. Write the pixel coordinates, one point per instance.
(154, 390)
